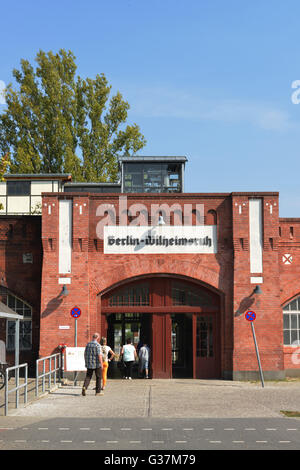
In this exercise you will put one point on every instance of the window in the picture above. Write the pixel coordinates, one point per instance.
(211, 218)
(25, 325)
(132, 296)
(152, 178)
(18, 188)
(291, 323)
(204, 337)
(186, 295)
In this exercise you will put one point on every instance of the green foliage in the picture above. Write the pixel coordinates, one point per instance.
(4, 165)
(57, 122)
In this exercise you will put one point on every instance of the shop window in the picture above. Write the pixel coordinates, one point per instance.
(291, 323)
(130, 296)
(24, 309)
(187, 295)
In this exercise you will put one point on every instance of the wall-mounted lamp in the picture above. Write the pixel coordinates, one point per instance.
(64, 291)
(257, 290)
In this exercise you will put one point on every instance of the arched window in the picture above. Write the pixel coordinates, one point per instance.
(211, 217)
(291, 322)
(197, 217)
(22, 308)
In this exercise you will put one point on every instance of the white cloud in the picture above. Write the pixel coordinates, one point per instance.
(160, 102)
(258, 114)
(2, 96)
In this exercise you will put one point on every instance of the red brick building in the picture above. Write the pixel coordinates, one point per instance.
(174, 268)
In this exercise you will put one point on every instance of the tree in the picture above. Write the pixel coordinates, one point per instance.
(57, 122)
(4, 165)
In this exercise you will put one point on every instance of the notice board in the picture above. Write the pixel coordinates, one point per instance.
(75, 359)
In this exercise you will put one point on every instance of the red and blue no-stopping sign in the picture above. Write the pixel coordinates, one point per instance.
(75, 312)
(250, 316)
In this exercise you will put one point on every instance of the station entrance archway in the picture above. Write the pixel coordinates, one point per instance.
(177, 317)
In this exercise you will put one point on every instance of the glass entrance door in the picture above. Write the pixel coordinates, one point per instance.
(135, 326)
(207, 347)
(121, 327)
(169, 315)
(182, 346)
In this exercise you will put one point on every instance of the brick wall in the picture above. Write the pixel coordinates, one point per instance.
(93, 273)
(289, 266)
(21, 235)
(268, 323)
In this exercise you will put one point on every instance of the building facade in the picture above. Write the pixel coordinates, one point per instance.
(175, 269)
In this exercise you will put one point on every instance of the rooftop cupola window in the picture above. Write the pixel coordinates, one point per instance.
(152, 174)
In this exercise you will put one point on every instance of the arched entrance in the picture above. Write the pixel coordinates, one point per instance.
(177, 317)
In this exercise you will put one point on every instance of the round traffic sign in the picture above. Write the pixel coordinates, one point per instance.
(75, 312)
(250, 316)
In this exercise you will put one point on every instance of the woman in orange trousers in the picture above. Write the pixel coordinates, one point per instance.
(105, 351)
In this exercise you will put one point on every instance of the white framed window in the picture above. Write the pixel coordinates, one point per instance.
(291, 323)
(22, 308)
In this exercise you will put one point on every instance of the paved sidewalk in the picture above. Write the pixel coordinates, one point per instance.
(176, 398)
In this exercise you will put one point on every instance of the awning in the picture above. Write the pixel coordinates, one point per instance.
(6, 312)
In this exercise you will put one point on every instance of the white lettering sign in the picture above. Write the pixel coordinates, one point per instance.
(160, 239)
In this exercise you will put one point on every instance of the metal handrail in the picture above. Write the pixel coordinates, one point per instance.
(51, 371)
(17, 387)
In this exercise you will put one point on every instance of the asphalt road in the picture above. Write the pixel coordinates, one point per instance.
(149, 434)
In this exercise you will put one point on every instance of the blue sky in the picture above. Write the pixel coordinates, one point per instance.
(209, 79)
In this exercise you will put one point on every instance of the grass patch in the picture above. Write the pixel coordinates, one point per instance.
(291, 414)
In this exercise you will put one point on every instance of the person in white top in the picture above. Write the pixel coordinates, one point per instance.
(129, 356)
(105, 351)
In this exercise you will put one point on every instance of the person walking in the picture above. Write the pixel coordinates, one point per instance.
(105, 351)
(129, 356)
(144, 357)
(93, 363)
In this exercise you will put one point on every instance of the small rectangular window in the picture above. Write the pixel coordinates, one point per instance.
(294, 336)
(294, 305)
(18, 188)
(286, 322)
(286, 337)
(25, 340)
(294, 322)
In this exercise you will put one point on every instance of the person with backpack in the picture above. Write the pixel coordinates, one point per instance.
(106, 350)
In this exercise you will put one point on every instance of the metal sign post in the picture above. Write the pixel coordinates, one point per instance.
(75, 313)
(75, 333)
(250, 316)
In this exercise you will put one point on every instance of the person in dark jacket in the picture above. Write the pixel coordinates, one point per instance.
(93, 363)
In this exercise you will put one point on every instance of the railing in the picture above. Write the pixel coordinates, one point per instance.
(53, 360)
(18, 386)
